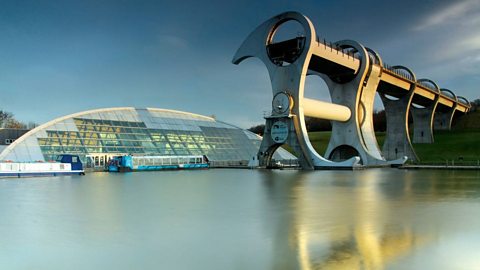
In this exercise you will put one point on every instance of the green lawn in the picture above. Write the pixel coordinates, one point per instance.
(320, 140)
(454, 145)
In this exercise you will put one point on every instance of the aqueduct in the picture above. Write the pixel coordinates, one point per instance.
(353, 74)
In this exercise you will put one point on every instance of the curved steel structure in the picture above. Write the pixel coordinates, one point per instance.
(429, 83)
(287, 122)
(463, 100)
(353, 74)
(444, 114)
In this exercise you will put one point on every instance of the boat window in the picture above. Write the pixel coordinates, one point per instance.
(74, 159)
(59, 158)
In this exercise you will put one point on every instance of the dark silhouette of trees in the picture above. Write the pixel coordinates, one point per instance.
(8, 121)
(475, 105)
(258, 129)
(315, 124)
(379, 121)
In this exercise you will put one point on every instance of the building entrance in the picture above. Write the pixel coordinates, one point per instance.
(99, 160)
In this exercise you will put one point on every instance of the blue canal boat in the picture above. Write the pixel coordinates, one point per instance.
(128, 163)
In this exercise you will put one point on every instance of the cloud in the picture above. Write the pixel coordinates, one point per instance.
(454, 13)
(172, 41)
(465, 46)
(451, 36)
(477, 59)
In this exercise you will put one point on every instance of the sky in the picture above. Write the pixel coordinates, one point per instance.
(63, 57)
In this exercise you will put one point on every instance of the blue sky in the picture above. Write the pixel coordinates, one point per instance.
(62, 57)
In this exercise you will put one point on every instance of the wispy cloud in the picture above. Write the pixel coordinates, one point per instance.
(457, 12)
(460, 46)
(454, 34)
(173, 41)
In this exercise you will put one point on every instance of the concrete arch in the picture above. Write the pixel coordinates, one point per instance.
(343, 152)
(269, 154)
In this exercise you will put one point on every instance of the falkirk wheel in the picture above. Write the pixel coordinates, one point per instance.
(353, 74)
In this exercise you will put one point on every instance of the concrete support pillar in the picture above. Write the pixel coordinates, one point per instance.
(397, 140)
(275, 136)
(443, 119)
(423, 117)
(423, 123)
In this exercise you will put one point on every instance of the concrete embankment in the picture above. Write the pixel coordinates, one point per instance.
(440, 167)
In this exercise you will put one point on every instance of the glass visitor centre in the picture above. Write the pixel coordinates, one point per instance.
(97, 135)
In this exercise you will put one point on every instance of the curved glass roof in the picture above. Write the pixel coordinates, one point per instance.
(128, 130)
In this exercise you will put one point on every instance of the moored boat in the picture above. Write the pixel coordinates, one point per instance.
(128, 163)
(64, 165)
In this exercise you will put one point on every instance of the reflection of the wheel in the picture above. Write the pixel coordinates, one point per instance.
(346, 223)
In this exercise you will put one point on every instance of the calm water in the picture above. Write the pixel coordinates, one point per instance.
(243, 219)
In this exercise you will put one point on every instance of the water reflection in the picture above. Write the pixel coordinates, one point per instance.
(243, 219)
(359, 220)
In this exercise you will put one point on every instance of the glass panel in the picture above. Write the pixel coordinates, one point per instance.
(190, 135)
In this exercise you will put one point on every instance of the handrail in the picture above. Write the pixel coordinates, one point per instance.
(427, 83)
(333, 47)
(399, 71)
(449, 93)
(463, 100)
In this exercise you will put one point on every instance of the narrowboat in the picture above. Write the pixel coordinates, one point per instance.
(64, 165)
(128, 163)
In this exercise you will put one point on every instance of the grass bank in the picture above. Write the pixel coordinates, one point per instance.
(456, 145)
(459, 146)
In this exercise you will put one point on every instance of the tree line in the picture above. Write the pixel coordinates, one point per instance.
(475, 105)
(7, 120)
(379, 121)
